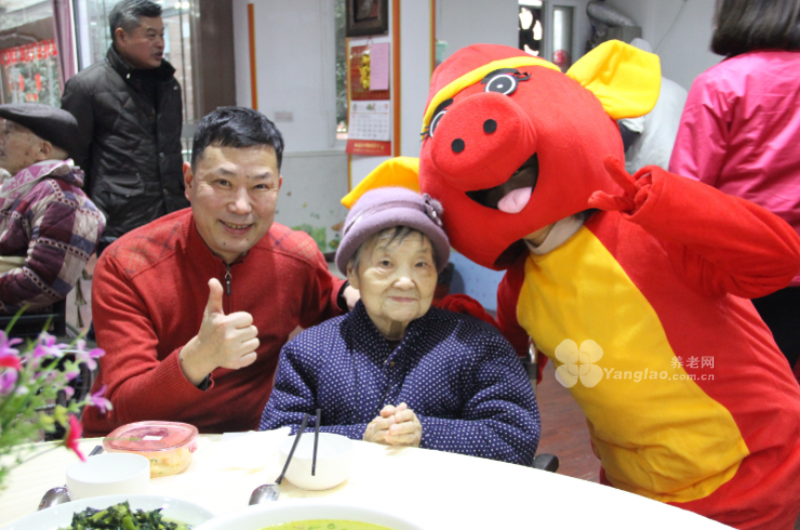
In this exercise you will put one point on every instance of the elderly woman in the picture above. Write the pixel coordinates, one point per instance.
(395, 370)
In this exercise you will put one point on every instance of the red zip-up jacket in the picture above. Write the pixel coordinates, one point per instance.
(148, 296)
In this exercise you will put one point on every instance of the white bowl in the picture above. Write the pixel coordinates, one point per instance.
(108, 474)
(60, 516)
(272, 513)
(334, 459)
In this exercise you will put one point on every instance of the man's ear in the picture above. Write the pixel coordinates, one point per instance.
(119, 35)
(45, 151)
(188, 179)
(280, 182)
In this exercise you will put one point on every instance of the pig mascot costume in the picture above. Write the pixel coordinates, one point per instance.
(636, 287)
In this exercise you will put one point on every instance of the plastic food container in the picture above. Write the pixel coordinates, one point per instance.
(167, 445)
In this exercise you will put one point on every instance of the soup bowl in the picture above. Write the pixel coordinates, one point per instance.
(262, 516)
(108, 474)
(334, 459)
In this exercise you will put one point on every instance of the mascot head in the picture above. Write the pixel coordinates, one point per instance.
(510, 144)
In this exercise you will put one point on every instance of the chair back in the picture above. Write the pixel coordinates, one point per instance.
(32, 324)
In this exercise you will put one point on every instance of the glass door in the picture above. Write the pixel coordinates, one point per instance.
(548, 30)
(28, 55)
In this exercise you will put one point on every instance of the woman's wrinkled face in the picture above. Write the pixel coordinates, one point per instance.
(396, 279)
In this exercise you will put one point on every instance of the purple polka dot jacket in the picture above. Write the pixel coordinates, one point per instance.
(463, 380)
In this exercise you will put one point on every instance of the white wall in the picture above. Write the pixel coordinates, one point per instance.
(295, 62)
(415, 71)
(679, 32)
(464, 22)
(313, 183)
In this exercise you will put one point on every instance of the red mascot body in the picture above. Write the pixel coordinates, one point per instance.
(636, 287)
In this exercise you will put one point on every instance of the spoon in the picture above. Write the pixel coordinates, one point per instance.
(265, 493)
(53, 497)
(271, 492)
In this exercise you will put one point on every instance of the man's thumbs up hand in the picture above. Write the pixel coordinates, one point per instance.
(214, 305)
(226, 341)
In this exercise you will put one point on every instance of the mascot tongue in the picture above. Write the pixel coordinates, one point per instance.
(515, 200)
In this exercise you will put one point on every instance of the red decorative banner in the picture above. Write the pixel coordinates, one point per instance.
(29, 52)
(369, 147)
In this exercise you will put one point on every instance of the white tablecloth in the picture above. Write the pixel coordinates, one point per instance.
(441, 491)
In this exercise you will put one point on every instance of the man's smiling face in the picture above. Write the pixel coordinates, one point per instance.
(234, 192)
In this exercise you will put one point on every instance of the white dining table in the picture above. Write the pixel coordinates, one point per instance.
(439, 491)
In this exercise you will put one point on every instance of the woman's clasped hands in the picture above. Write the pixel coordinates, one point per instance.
(397, 426)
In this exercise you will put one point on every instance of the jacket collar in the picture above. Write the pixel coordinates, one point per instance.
(198, 248)
(13, 188)
(165, 71)
(366, 333)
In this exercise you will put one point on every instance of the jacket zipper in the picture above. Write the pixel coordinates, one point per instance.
(227, 279)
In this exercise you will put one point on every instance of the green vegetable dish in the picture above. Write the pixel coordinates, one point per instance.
(326, 524)
(121, 517)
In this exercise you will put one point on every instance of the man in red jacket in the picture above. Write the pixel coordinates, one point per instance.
(178, 351)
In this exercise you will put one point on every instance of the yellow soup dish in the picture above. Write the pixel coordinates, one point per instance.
(326, 524)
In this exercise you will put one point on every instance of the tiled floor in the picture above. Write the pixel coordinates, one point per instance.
(564, 430)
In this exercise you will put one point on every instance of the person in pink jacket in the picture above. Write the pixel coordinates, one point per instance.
(740, 129)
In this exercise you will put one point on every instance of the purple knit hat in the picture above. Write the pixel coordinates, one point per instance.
(383, 208)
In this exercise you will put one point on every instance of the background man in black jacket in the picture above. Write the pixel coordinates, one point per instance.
(129, 113)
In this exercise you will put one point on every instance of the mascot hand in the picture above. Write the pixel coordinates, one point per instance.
(635, 190)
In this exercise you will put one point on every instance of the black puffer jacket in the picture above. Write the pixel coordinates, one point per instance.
(130, 152)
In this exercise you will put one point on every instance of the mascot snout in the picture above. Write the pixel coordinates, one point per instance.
(493, 137)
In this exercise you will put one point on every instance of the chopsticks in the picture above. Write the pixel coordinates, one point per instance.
(294, 446)
(316, 442)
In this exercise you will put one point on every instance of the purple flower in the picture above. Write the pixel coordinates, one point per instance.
(7, 381)
(88, 357)
(5, 345)
(47, 347)
(97, 400)
(9, 359)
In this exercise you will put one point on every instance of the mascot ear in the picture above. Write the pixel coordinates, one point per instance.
(625, 79)
(401, 171)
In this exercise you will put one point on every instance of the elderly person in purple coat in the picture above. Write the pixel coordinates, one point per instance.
(48, 227)
(395, 370)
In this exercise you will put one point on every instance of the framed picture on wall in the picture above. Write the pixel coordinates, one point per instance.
(367, 17)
